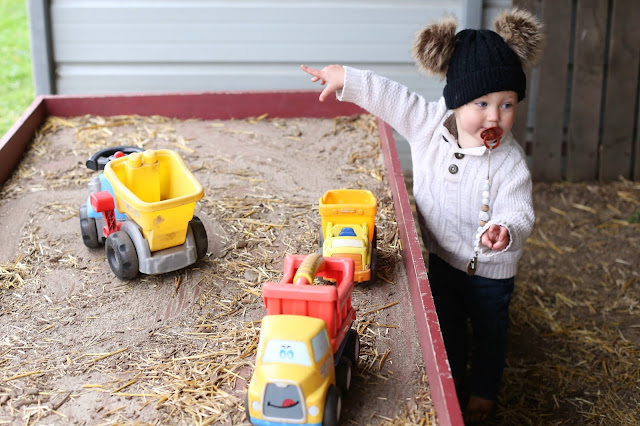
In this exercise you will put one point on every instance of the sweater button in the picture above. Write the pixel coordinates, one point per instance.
(459, 155)
(453, 169)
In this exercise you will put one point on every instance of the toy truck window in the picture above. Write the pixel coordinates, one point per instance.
(287, 352)
(347, 243)
(320, 345)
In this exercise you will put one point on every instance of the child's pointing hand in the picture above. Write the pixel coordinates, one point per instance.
(332, 76)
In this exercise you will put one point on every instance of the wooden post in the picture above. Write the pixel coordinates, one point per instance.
(551, 92)
(586, 93)
(621, 91)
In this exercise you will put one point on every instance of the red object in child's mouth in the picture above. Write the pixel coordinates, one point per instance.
(491, 134)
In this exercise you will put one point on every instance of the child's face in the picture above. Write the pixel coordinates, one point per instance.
(497, 109)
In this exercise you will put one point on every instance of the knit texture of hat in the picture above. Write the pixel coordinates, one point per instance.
(482, 63)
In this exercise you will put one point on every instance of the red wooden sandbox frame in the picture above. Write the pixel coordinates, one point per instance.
(285, 104)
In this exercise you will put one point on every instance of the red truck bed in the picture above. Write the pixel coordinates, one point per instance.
(331, 303)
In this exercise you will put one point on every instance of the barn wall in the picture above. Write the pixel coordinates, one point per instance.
(145, 46)
(195, 45)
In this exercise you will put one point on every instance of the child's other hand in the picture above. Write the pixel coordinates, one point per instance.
(496, 237)
(332, 76)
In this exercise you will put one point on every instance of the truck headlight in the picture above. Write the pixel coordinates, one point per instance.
(313, 410)
(255, 405)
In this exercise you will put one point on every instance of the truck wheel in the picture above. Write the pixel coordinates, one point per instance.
(332, 407)
(122, 255)
(200, 235)
(88, 229)
(343, 374)
(352, 348)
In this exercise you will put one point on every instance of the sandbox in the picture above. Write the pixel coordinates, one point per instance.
(82, 345)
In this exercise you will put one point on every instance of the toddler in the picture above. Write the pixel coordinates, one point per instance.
(472, 186)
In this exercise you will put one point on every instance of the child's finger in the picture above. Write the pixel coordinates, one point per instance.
(495, 232)
(504, 235)
(486, 240)
(314, 72)
(326, 92)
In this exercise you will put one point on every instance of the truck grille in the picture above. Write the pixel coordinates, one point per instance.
(283, 402)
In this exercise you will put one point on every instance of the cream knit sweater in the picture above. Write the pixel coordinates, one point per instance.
(449, 203)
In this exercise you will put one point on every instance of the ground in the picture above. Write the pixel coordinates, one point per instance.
(575, 316)
(78, 345)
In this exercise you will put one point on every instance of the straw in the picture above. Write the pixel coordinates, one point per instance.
(191, 367)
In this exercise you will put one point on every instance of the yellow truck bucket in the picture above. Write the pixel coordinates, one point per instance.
(348, 206)
(157, 191)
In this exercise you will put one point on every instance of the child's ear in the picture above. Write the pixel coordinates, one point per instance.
(434, 46)
(523, 32)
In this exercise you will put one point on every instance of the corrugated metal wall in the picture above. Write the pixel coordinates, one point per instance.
(490, 8)
(194, 45)
(120, 46)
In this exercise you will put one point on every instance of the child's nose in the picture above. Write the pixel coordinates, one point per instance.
(493, 115)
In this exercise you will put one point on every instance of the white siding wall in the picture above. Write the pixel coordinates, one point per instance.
(120, 46)
(491, 8)
(194, 45)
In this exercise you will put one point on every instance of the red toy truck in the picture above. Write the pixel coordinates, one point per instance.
(307, 348)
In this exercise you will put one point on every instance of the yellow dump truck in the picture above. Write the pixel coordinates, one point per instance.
(348, 229)
(157, 193)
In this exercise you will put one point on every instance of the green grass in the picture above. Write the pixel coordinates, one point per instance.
(16, 83)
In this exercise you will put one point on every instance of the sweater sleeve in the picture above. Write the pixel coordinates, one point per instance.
(513, 205)
(407, 112)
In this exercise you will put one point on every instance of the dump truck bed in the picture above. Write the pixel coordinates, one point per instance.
(348, 206)
(330, 303)
(157, 191)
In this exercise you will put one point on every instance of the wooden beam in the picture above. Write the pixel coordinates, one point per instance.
(551, 92)
(621, 91)
(586, 94)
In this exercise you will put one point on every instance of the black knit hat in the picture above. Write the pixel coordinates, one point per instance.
(479, 62)
(482, 63)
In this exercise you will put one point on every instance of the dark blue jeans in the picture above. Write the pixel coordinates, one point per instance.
(485, 302)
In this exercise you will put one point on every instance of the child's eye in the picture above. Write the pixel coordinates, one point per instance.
(507, 105)
(481, 104)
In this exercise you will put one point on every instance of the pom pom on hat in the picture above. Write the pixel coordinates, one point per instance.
(523, 33)
(434, 45)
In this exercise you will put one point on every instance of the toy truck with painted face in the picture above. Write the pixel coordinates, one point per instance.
(348, 229)
(307, 346)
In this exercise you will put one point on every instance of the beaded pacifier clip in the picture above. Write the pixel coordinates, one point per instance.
(491, 138)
